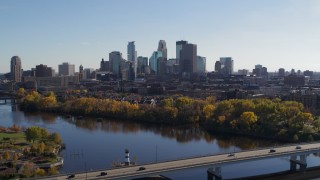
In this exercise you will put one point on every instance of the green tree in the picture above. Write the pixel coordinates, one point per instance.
(36, 133)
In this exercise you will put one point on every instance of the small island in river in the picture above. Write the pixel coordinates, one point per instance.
(28, 153)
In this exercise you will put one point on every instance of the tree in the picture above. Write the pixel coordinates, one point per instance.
(6, 156)
(35, 133)
(21, 92)
(55, 137)
(41, 147)
(295, 138)
(53, 171)
(248, 118)
(40, 172)
(28, 169)
(15, 157)
(49, 101)
(208, 111)
(15, 128)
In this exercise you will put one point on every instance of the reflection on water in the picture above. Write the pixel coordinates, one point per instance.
(182, 134)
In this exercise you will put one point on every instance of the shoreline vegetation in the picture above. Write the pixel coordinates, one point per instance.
(29, 152)
(264, 118)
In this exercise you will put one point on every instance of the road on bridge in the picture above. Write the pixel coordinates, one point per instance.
(204, 161)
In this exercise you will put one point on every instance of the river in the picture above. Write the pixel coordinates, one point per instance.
(93, 144)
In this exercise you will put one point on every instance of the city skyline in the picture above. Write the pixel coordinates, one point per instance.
(276, 34)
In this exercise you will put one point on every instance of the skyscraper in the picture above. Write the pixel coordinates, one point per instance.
(132, 55)
(163, 48)
(80, 72)
(179, 45)
(115, 59)
(226, 65)
(201, 64)
(15, 69)
(217, 67)
(188, 58)
(44, 71)
(66, 69)
(142, 64)
(154, 61)
(104, 65)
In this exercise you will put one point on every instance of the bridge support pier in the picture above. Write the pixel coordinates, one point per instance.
(214, 174)
(302, 162)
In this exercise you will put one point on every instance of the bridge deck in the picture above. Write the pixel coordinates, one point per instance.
(220, 159)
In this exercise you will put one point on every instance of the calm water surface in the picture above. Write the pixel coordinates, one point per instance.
(93, 144)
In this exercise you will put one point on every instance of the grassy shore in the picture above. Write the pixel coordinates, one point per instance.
(18, 137)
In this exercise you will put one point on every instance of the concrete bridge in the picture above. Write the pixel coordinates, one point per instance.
(214, 163)
(7, 96)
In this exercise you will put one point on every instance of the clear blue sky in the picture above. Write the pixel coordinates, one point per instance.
(274, 33)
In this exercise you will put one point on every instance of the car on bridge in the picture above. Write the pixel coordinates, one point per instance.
(272, 151)
(298, 147)
(103, 173)
(71, 176)
(141, 168)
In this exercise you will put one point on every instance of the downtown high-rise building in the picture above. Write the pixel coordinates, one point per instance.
(163, 48)
(104, 65)
(132, 55)
(179, 45)
(44, 71)
(188, 59)
(115, 59)
(142, 64)
(80, 72)
(154, 61)
(66, 69)
(201, 64)
(226, 65)
(15, 69)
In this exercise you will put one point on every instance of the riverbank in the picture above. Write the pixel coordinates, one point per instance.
(265, 118)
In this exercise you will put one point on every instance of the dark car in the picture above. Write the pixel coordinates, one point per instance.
(71, 176)
(231, 155)
(298, 147)
(141, 168)
(103, 173)
(272, 151)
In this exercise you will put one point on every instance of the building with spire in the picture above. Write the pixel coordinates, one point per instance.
(163, 48)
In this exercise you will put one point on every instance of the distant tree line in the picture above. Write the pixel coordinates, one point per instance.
(287, 120)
